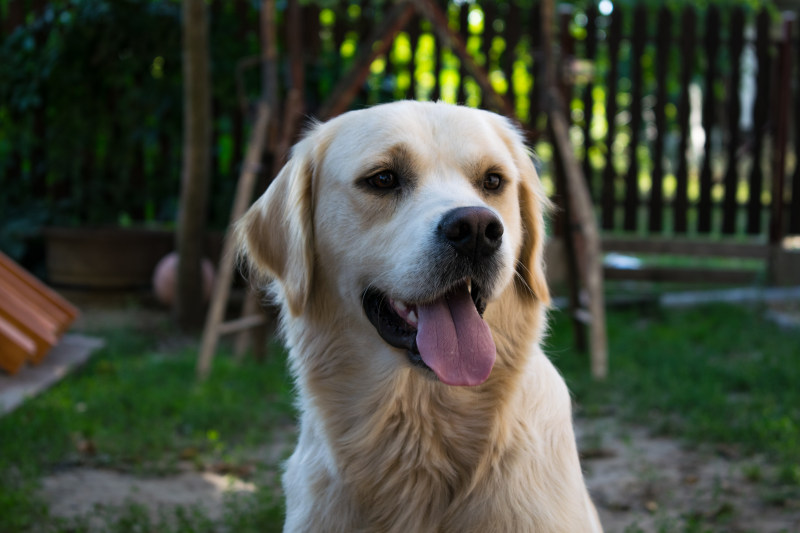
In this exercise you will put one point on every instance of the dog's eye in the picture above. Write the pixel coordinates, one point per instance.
(492, 182)
(383, 180)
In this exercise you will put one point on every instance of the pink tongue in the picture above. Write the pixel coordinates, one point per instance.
(453, 339)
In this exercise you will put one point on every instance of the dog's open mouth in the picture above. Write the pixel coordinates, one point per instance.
(447, 335)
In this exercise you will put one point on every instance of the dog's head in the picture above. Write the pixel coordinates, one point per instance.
(413, 216)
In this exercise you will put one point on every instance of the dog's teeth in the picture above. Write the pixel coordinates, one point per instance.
(469, 286)
(412, 317)
(400, 306)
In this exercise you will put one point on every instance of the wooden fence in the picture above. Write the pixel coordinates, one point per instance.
(684, 121)
(733, 181)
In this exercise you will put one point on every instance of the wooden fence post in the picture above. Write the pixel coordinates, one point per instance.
(349, 85)
(222, 286)
(794, 208)
(760, 110)
(663, 38)
(781, 134)
(631, 209)
(711, 45)
(590, 52)
(581, 234)
(582, 222)
(608, 195)
(687, 51)
(735, 47)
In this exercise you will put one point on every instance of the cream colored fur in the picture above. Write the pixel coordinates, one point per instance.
(383, 447)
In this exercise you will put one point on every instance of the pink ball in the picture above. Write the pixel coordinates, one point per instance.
(164, 278)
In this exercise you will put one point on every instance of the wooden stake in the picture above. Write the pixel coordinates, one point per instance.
(242, 200)
(585, 226)
(453, 40)
(377, 44)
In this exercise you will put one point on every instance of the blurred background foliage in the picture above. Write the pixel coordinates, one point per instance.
(90, 95)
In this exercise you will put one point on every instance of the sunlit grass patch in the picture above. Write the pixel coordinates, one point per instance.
(137, 407)
(720, 374)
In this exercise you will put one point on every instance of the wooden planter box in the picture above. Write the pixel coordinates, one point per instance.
(111, 258)
(107, 258)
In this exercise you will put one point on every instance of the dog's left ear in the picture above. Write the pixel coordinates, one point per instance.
(533, 204)
(275, 236)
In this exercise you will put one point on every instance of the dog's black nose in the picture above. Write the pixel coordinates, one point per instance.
(474, 232)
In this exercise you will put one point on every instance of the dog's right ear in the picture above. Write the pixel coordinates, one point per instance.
(275, 236)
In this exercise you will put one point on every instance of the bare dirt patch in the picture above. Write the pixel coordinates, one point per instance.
(79, 491)
(785, 314)
(639, 483)
(652, 484)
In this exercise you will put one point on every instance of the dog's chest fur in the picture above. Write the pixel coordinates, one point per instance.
(411, 454)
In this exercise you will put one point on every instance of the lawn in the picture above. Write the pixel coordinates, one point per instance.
(720, 376)
(137, 408)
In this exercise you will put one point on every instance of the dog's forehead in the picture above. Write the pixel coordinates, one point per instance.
(433, 134)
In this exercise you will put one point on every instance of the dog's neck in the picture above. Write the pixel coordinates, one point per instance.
(395, 429)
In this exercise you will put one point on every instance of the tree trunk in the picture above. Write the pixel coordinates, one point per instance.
(189, 309)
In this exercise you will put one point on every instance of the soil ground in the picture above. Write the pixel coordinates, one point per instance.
(640, 483)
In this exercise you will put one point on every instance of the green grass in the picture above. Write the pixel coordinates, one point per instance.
(715, 375)
(137, 408)
(259, 513)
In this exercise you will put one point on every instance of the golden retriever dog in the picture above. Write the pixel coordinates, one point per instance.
(404, 247)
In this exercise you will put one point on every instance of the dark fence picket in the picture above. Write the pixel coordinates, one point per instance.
(390, 71)
(489, 33)
(590, 53)
(242, 11)
(139, 181)
(632, 177)
(711, 45)
(370, 15)
(605, 43)
(39, 164)
(312, 46)
(437, 63)
(164, 156)
(687, 50)
(463, 28)
(340, 28)
(609, 172)
(414, 33)
(567, 52)
(39, 152)
(237, 136)
(731, 180)
(535, 94)
(760, 112)
(794, 206)
(15, 16)
(38, 7)
(513, 35)
(662, 61)
(567, 43)
(781, 103)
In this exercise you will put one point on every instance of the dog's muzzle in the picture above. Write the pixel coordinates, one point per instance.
(446, 333)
